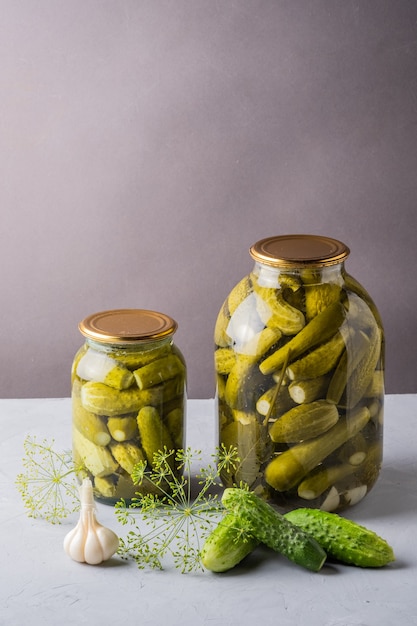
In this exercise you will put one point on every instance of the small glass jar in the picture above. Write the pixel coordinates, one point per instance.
(299, 360)
(128, 397)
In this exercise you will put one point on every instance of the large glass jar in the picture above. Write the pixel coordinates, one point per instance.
(299, 359)
(128, 397)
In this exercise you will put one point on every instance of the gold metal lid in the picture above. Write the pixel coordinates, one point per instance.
(127, 326)
(291, 251)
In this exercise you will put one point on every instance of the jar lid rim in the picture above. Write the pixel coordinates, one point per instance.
(292, 251)
(127, 326)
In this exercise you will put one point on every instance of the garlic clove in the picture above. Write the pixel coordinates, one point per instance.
(90, 542)
(93, 551)
(74, 543)
(109, 541)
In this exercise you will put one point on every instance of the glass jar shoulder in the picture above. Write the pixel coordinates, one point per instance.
(288, 301)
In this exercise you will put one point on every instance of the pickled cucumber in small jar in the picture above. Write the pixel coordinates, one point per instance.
(128, 398)
(299, 362)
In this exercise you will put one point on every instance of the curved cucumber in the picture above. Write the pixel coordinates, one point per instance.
(272, 529)
(343, 539)
(276, 312)
(321, 328)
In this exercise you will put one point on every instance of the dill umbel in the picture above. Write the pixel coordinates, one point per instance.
(172, 522)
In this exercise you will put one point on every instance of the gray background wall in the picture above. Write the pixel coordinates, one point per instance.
(146, 144)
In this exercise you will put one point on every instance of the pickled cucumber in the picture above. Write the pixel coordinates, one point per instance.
(276, 312)
(239, 374)
(247, 435)
(158, 371)
(127, 455)
(101, 368)
(154, 434)
(274, 402)
(304, 421)
(122, 428)
(318, 297)
(286, 470)
(319, 361)
(89, 424)
(321, 328)
(224, 360)
(174, 421)
(103, 400)
(363, 373)
(350, 358)
(304, 391)
(97, 459)
(132, 359)
(316, 484)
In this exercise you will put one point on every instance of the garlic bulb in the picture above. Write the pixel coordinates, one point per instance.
(90, 542)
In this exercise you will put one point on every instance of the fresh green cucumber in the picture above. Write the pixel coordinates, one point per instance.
(343, 539)
(272, 529)
(227, 545)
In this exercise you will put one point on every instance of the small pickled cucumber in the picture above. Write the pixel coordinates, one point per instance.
(106, 486)
(101, 368)
(275, 311)
(376, 386)
(245, 437)
(103, 400)
(89, 424)
(154, 434)
(122, 428)
(97, 459)
(289, 468)
(159, 371)
(304, 421)
(135, 358)
(316, 484)
(359, 346)
(234, 393)
(127, 455)
(238, 294)
(260, 343)
(319, 297)
(274, 401)
(321, 328)
(304, 391)
(221, 338)
(224, 360)
(175, 423)
(363, 373)
(321, 360)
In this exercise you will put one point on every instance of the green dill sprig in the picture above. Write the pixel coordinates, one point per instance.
(175, 520)
(48, 483)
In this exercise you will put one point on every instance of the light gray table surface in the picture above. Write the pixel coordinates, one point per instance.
(40, 584)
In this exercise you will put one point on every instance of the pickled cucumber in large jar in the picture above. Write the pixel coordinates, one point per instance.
(128, 398)
(299, 362)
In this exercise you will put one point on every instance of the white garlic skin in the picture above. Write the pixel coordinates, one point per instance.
(90, 542)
